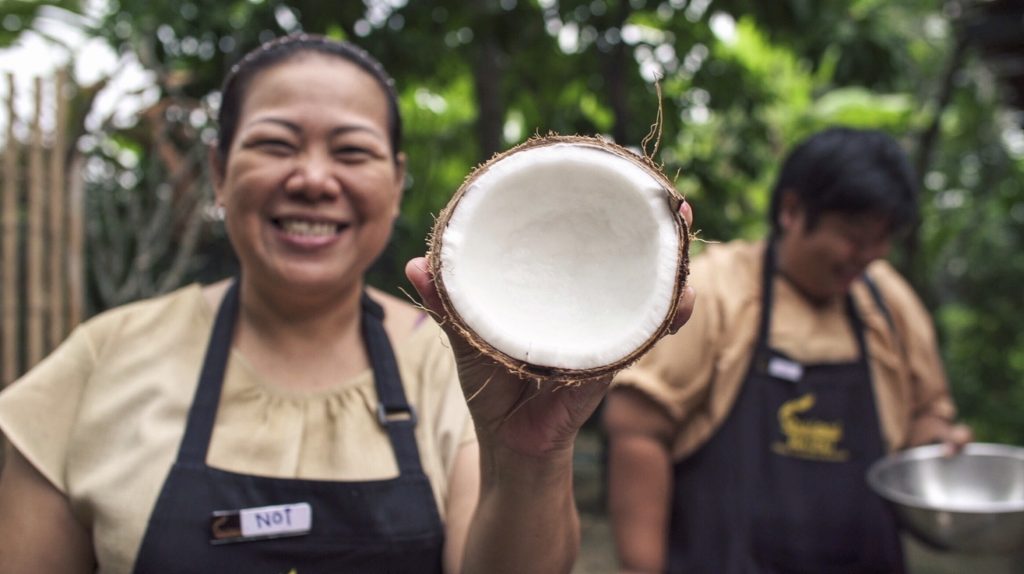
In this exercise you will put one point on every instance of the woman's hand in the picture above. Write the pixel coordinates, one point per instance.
(525, 519)
(530, 418)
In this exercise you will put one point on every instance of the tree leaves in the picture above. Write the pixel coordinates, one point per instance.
(741, 80)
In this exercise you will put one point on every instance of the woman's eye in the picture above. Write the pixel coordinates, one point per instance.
(353, 153)
(274, 146)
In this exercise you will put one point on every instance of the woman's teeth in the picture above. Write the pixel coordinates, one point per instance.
(309, 228)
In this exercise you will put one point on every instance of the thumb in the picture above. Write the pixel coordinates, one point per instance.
(417, 270)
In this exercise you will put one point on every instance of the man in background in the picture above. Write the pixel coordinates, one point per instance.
(740, 444)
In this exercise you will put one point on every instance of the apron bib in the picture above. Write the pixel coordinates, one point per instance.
(780, 488)
(210, 520)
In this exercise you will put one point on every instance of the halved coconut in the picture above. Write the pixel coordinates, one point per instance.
(563, 257)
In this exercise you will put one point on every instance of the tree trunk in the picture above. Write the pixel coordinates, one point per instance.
(927, 141)
(487, 77)
(614, 64)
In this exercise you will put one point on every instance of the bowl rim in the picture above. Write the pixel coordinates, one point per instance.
(935, 451)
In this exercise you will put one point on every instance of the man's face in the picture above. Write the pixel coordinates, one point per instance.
(825, 260)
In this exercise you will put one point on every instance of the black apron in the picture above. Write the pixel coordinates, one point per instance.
(374, 526)
(780, 487)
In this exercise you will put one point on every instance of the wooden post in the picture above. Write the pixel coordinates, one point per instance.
(9, 210)
(58, 195)
(35, 236)
(76, 242)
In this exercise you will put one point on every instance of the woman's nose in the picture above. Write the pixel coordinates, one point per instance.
(313, 178)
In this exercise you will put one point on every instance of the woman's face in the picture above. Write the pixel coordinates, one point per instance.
(311, 188)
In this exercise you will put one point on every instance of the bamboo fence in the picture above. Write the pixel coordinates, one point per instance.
(42, 233)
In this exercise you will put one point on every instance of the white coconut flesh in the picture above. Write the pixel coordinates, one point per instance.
(563, 255)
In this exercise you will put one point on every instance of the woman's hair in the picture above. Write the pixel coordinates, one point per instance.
(282, 49)
(848, 170)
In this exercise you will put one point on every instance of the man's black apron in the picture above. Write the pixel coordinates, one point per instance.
(780, 487)
(374, 526)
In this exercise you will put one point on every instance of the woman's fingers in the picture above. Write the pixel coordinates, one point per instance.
(417, 271)
(687, 212)
(687, 299)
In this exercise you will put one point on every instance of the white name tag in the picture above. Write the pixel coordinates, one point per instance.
(784, 369)
(284, 519)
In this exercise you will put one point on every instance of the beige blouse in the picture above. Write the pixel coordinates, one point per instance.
(101, 418)
(696, 374)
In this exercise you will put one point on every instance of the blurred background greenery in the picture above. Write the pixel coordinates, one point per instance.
(740, 80)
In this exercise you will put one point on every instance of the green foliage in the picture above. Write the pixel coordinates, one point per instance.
(862, 108)
(739, 82)
(974, 234)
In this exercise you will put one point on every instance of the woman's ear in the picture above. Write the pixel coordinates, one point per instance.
(791, 211)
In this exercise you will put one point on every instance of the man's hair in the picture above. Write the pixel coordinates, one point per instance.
(852, 171)
(279, 50)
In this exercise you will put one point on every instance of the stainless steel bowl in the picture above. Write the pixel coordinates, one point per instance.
(972, 502)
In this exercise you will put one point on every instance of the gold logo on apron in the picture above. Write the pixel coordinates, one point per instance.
(808, 438)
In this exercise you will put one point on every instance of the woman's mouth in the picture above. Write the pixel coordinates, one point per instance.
(307, 228)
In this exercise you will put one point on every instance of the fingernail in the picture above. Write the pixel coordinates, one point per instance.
(674, 328)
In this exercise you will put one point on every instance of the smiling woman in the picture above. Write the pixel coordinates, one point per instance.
(310, 184)
(293, 408)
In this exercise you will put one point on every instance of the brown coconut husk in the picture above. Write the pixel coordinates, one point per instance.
(525, 369)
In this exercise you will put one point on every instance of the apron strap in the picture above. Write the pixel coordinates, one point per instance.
(767, 294)
(876, 295)
(394, 412)
(858, 328)
(202, 414)
(761, 355)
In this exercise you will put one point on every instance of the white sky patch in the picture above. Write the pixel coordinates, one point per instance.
(132, 88)
(935, 180)
(723, 26)
(428, 100)
(697, 110)
(634, 34)
(378, 11)
(286, 19)
(695, 11)
(950, 199)
(514, 126)
(651, 71)
(665, 53)
(569, 38)
(699, 114)
(694, 59)
(936, 27)
(34, 55)
(1013, 139)
(631, 34)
